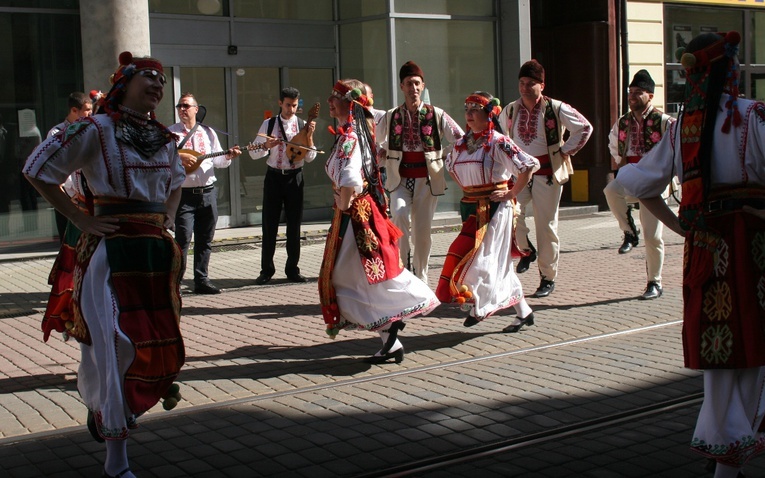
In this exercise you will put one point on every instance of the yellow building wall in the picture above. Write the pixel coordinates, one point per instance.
(645, 37)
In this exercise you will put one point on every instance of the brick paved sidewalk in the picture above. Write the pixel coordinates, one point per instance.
(267, 394)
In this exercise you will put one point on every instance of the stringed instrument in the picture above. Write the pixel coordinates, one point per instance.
(303, 138)
(199, 157)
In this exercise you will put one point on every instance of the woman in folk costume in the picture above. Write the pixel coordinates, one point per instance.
(126, 298)
(362, 283)
(478, 270)
(716, 148)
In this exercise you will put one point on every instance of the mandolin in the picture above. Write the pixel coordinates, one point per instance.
(198, 157)
(303, 138)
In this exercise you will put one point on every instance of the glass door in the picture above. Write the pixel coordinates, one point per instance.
(257, 99)
(208, 85)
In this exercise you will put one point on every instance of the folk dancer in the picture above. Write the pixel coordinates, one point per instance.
(126, 298)
(538, 124)
(362, 283)
(631, 137)
(716, 149)
(491, 170)
(415, 136)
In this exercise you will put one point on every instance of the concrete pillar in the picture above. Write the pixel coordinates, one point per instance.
(110, 27)
(515, 44)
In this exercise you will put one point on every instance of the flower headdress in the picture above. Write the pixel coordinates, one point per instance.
(128, 67)
(354, 96)
(491, 105)
(698, 66)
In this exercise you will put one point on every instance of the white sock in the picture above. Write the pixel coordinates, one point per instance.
(726, 471)
(116, 458)
(384, 334)
(522, 309)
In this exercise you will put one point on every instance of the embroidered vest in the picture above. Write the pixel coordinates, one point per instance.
(651, 124)
(429, 135)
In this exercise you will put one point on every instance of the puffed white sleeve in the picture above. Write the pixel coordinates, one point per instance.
(650, 177)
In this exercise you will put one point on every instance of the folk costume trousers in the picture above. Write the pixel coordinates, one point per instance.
(653, 229)
(545, 201)
(412, 211)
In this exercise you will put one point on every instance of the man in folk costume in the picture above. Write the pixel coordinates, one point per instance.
(414, 135)
(716, 149)
(537, 124)
(631, 137)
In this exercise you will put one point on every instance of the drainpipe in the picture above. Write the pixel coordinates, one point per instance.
(625, 55)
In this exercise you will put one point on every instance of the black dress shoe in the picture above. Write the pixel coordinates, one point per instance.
(118, 475)
(397, 356)
(262, 279)
(206, 288)
(545, 288)
(511, 329)
(525, 262)
(470, 321)
(297, 278)
(630, 240)
(652, 291)
(93, 429)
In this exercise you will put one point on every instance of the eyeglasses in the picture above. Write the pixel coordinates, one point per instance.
(185, 106)
(154, 74)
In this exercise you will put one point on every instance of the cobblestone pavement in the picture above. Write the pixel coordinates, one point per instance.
(266, 393)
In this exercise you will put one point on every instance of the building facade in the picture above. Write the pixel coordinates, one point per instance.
(236, 55)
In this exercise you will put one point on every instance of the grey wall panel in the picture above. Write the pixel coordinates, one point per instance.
(186, 31)
(217, 56)
(183, 31)
(285, 35)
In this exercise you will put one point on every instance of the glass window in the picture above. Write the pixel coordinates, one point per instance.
(315, 86)
(208, 87)
(480, 8)
(284, 9)
(41, 66)
(682, 23)
(448, 56)
(57, 4)
(364, 56)
(190, 7)
(358, 9)
(257, 100)
(758, 86)
(758, 42)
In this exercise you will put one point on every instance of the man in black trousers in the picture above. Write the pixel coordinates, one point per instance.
(283, 185)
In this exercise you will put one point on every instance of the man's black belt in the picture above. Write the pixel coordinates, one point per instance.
(734, 204)
(285, 171)
(201, 190)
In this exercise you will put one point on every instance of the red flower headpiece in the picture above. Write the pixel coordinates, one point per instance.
(489, 105)
(726, 46)
(129, 66)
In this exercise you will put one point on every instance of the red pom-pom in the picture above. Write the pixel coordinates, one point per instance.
(126, 58)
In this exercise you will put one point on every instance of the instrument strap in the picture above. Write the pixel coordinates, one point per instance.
(187, 137)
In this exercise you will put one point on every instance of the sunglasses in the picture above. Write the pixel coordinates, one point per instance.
(185, 106)
(153, 74)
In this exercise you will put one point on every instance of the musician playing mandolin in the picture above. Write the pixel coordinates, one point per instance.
(198, 209)
(289, 140)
